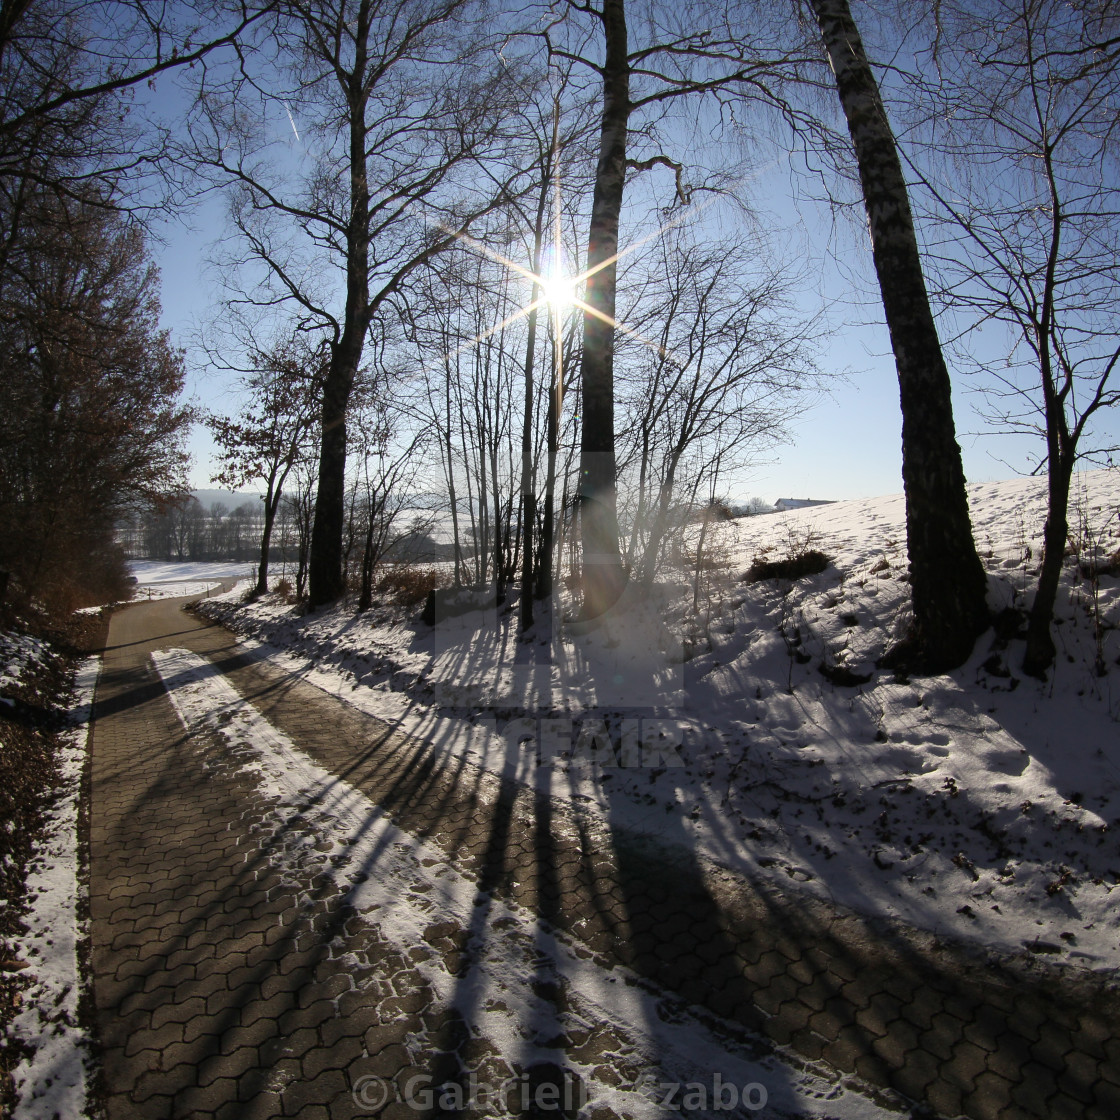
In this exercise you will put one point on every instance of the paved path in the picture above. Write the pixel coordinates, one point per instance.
(234, 978)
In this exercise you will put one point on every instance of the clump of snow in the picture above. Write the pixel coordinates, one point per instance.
(18, 652)
(759, 730)
(52, 1081)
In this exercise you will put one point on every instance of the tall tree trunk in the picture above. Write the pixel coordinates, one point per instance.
(271, 501)
(546, 563)
(1040, 650)
(602, 564)
(1061, 455)
(532, 564)
(528, 489)
(485, 552)
(501, 521)
(947, 579)
(450, 455)
(325, 576)
(304, 513)
(266, 540)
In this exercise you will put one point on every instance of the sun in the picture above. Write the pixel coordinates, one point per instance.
(559, 291)
(557, 285)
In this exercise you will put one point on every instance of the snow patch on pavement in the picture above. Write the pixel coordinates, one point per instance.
(403, 886)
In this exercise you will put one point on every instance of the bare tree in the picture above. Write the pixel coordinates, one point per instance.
(947, 581)
(732, 363)
(70, 123)
(674, 60)
(271, 432)
(66, 52)
(1028, 196)
(391, 123)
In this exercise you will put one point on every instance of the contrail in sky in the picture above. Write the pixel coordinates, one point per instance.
(291, 121)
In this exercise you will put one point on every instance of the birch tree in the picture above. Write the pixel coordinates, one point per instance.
(948, 585)
(1026, 198)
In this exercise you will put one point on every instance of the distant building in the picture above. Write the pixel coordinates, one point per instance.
(785, 504)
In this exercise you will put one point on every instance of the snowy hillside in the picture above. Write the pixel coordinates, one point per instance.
(757, 728)
(160, 579)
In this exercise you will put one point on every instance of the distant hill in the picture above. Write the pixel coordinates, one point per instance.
(228, 498)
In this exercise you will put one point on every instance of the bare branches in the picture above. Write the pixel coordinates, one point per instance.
(398, 106)
(1022, 187)
(684, 191)
(1031, 192)
(121, 43)
(733, 363)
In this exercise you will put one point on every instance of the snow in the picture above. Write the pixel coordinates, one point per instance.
(18, 652)
(980, 804)
(53, 1080)
(161, 571)
(402, 885)
(157, 579)
(145, 593)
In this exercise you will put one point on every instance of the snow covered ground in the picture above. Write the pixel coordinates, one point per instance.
(18, 652)
(758, 730)
(52, 1080)
(158, 579)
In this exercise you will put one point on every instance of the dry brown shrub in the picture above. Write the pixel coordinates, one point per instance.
(409, 585)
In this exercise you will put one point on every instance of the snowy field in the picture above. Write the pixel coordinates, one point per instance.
(758, 730)
(158, 579)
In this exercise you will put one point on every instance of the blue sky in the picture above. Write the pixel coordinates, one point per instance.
(847, 446)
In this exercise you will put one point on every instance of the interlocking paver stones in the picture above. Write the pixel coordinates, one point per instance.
(174, 887)
(240, 991)
(1106, 1097)
(943, 1098)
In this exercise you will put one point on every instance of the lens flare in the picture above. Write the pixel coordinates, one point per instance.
(557, 285)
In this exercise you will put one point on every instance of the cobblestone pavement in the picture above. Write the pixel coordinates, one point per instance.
(234, 978)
